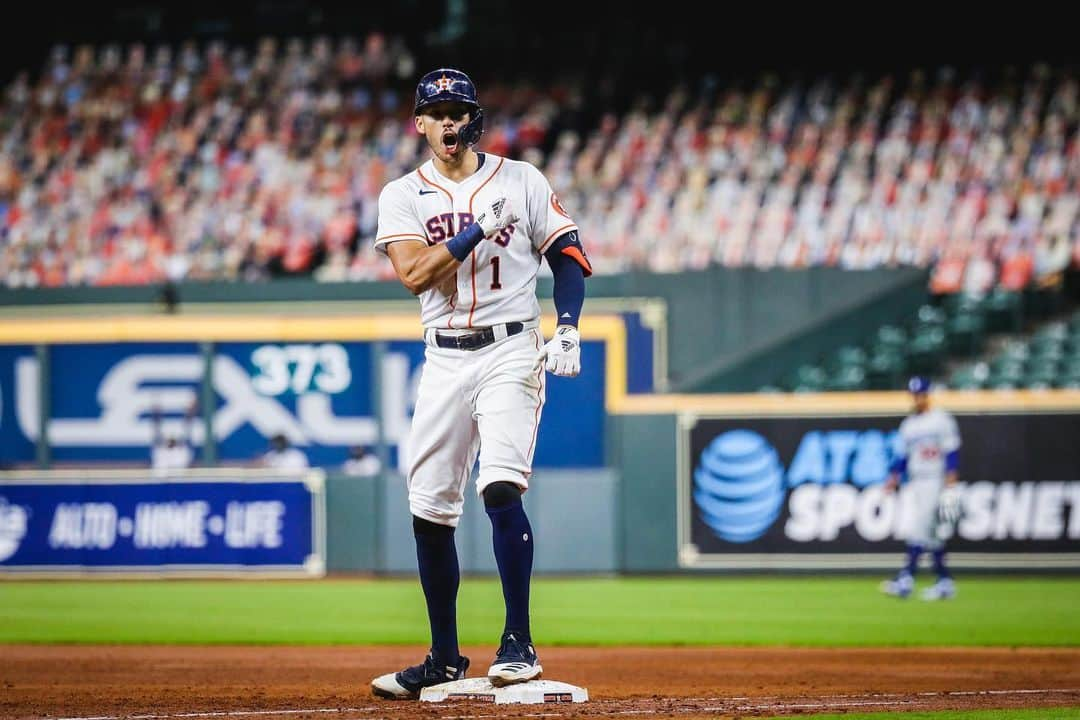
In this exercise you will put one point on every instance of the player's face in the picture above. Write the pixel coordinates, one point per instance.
(441, 124)
(922, 402)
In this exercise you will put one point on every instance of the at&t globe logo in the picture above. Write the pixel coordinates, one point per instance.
(739, 486)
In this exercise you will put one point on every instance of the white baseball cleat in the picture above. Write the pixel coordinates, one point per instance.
(407, 684)
(901, 587)
(516, 662)
(944, 589)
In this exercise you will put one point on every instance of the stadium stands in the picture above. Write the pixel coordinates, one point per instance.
(1047, 358)
(132, 166)
(964, 342)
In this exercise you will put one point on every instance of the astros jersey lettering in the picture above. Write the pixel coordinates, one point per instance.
(497, 283)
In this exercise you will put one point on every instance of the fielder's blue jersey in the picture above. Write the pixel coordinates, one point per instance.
(925, 441)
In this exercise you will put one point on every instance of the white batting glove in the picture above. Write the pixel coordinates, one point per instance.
(562, 353)
(949, 504)
(496, 216)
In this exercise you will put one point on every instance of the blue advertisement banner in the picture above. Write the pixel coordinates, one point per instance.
(18, 417)
(102, 397)
(320, 395)
(137, 523)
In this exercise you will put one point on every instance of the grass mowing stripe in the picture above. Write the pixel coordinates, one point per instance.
(1030, 714)
(1005, 611)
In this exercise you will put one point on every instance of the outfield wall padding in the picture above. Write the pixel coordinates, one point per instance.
(572, 512)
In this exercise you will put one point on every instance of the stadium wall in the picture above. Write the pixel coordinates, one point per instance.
(719, 321)
(694, 484)
(621, 494)
(765, 359)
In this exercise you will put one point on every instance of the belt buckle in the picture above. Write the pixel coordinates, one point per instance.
(482, 338)
(479, 339)
(472, 341)
(456, 342)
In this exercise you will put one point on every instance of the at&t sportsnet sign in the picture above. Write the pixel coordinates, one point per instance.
(807, 492)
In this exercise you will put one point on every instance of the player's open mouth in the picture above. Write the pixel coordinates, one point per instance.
(450, 142)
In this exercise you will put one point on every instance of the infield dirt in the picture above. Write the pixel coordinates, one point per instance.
(332, 682)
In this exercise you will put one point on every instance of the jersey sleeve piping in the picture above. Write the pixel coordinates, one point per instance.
(446, 192)
(382, 242)
(486, 181)
(554, 236)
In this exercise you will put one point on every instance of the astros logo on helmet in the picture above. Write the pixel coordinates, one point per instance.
(450, 85)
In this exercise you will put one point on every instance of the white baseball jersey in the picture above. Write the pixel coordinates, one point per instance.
(925, 440)
(164, 458)
(287, 459)
(497, 282)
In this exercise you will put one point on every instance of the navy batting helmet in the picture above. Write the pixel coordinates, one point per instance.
(918, 385)
(449, 85)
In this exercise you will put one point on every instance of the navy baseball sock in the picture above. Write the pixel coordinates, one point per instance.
(436, 557)
(939, 565)
(914, 552)
(512, 537)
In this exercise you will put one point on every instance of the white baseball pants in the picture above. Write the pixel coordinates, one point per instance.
(922, 517)
(487, 400)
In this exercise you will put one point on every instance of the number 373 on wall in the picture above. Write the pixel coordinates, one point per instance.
(300, 368)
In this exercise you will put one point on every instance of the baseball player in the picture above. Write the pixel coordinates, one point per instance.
(172, 451)
(466, 232)
(927, 455)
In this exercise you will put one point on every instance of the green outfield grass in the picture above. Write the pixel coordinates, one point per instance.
(1037, 714)
(807, 611)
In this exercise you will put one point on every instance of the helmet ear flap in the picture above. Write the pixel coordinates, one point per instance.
(470, 134)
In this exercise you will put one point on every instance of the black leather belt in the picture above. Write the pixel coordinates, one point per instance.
(476, 339)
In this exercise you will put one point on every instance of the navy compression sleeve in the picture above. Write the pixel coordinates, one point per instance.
(569, 267)
(463, 243)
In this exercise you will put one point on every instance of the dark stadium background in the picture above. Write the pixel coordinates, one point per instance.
(631, 47)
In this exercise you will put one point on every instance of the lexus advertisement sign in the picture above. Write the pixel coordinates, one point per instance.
(800, 492)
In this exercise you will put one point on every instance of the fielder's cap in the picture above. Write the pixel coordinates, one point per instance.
(918, 385)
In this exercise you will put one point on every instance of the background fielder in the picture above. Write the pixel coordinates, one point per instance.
(466, 232)
(927, 456)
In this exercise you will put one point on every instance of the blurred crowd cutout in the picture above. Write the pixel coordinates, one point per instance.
(138, 165)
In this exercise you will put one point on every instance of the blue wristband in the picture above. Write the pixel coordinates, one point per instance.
(463, 243)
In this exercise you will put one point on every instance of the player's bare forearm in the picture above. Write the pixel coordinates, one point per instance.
(892, 482)
(420, 267)
(950, 478)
